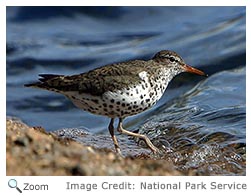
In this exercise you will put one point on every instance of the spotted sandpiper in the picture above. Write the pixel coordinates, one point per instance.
(120, 90)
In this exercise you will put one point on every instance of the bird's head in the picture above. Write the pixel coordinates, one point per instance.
(174, 62)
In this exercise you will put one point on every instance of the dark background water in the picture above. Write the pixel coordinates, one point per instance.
(71, 40)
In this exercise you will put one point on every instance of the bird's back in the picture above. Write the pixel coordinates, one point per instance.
(95, 82)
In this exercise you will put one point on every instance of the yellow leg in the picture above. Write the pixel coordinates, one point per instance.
(114, 139)
(145, 138)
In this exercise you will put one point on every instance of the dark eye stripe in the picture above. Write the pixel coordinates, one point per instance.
(172, 59)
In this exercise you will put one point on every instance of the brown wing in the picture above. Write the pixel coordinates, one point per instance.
(95, 82)
(109, 78)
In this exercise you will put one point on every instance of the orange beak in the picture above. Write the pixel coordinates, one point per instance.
(190, 69)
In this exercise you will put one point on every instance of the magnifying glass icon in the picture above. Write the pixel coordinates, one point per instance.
(13, 184)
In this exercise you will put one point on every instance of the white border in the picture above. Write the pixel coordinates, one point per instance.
(59, 186)
(248, 95)
(3, 89)
(123, 3)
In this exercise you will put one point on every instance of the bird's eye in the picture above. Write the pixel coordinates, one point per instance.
(172, 59)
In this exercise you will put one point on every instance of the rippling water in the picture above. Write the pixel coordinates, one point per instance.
(196, 119)
(207, 125)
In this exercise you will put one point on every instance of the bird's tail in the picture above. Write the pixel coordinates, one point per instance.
(47, 81)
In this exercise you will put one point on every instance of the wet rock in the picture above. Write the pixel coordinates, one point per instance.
(33, 151)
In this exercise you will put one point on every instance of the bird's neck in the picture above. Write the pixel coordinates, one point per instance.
(166, 75)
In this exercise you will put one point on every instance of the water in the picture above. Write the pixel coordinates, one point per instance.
(206, 113)
(206, 125)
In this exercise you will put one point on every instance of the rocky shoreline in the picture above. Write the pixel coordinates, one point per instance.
(33, 151)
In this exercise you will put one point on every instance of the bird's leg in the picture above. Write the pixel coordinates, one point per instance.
(145, 138)
(115, 141)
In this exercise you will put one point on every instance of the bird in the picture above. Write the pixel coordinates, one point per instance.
(119, 90)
